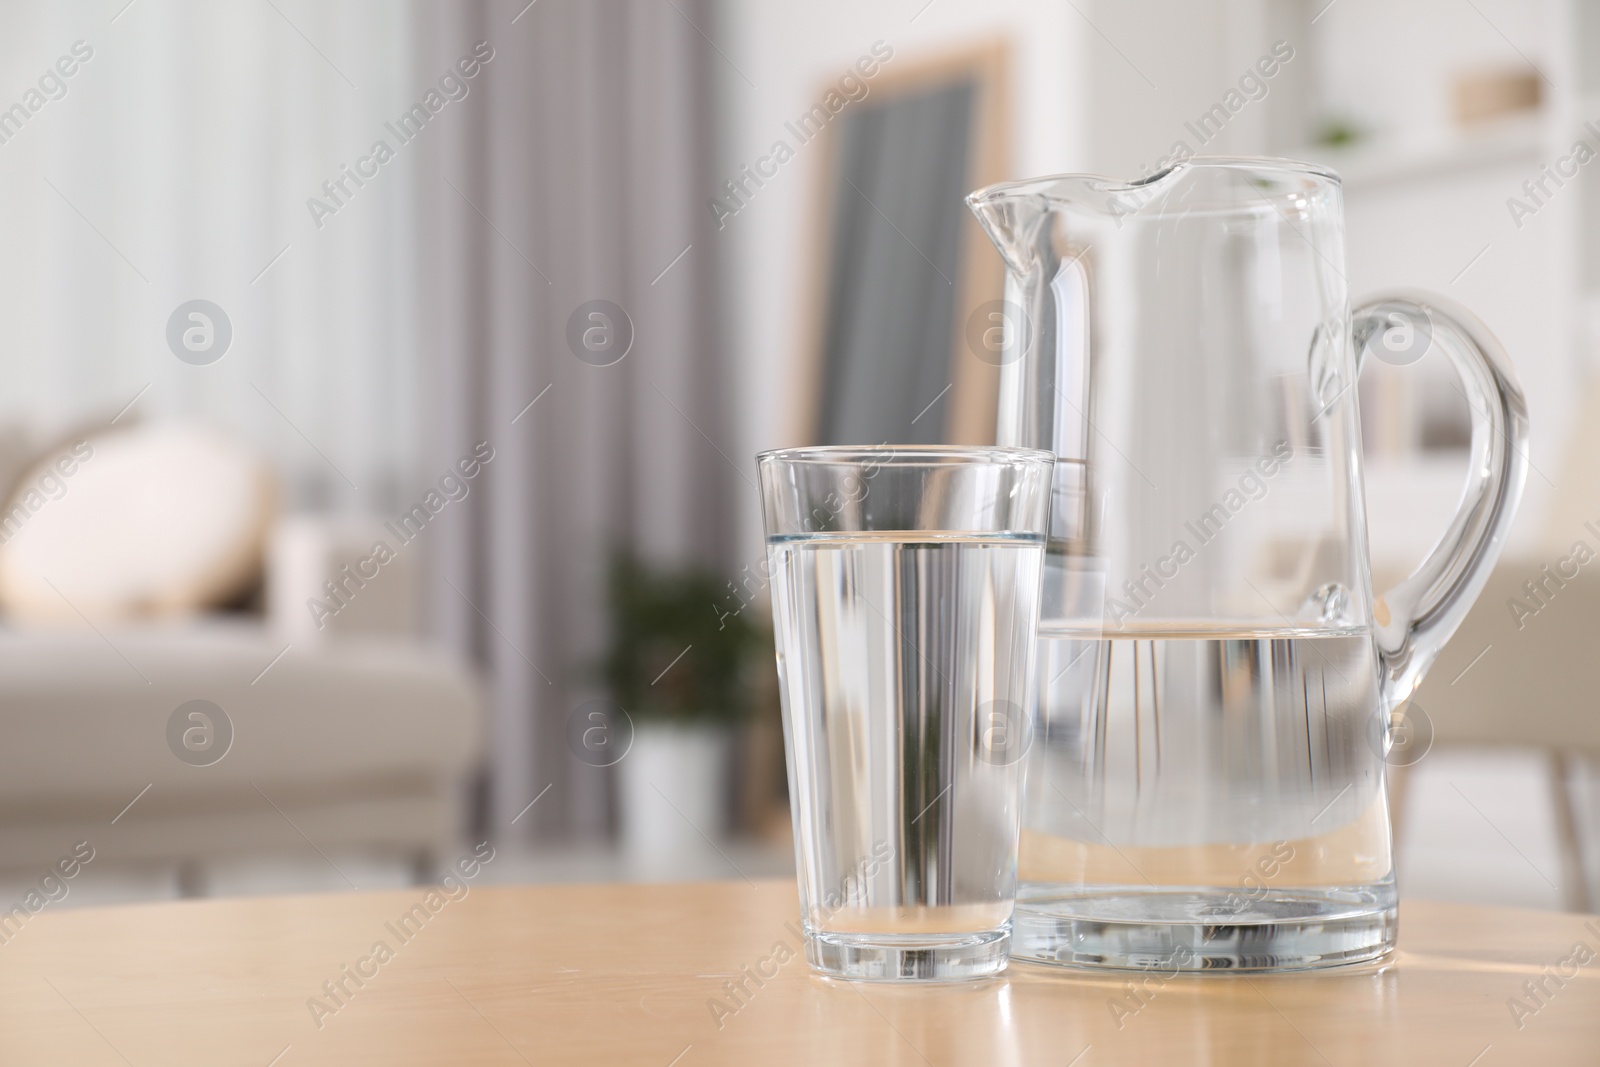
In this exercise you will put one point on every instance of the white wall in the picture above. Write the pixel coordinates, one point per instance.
(789, 53)
(1159, 64)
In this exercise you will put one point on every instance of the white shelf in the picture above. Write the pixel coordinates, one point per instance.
(1390, 160)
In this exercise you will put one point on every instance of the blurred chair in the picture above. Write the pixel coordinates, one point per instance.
(1502, 685)
(1524, 669)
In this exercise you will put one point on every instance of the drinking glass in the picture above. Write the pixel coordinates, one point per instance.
(905, 593)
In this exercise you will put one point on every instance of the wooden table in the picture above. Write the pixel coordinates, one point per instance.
(635, 974)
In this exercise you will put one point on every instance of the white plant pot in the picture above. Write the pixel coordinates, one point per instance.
(674, 789)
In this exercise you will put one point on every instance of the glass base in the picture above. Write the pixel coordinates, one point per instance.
(909, 957)
(1186, 929)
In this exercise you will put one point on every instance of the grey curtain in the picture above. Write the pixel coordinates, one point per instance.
(576, 171)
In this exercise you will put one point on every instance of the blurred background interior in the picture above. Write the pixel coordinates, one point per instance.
(435, 522)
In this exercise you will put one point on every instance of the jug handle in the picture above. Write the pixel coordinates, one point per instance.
(1416, 617)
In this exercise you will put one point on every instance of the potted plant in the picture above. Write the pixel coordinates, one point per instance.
(677, 664)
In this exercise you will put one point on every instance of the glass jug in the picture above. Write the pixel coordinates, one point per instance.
(1206, 774)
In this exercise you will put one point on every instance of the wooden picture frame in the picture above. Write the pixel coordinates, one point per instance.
(966, 411)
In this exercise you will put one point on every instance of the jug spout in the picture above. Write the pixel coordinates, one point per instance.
(1003, 213)
(1013, 213)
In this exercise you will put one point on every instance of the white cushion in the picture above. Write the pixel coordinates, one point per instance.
(154, 520)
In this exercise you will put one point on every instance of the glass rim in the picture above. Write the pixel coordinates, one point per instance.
(906, 455)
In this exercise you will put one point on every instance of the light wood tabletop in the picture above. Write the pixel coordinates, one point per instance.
(644, 974)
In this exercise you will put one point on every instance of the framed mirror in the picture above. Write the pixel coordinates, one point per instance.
(903, 273)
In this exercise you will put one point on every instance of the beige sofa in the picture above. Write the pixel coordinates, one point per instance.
(343, 741)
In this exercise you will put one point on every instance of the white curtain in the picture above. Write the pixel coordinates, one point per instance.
(177, 166)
